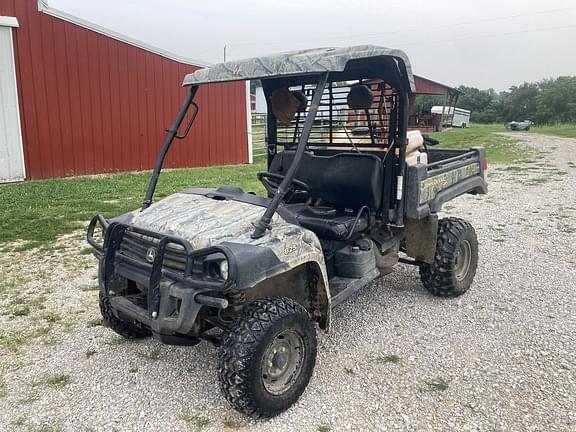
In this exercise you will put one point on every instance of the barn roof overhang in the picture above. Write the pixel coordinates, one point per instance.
(428, 87)
(8, 21)
(44, 7)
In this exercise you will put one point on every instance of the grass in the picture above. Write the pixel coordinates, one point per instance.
(150, 355)
(90, 353)
(45, 428)
(566, 228)
(23, 306)
(31, 398)
(57, 380)
(118, 340)
(3, 389)
(20, 421)
(231, 424)
(387, 359)
(20, 311)
(52, 317)
(436, 385)
(566, 130)
(195, 421)
(87, 288)
(13, 341)
(36, 213)
(499, 149)
(40, 211)
(96, 322)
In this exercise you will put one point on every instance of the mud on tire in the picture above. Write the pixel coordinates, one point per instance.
(247, 357)
(123, 328)
(455, 261)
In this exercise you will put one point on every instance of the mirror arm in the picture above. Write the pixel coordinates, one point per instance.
(172, 133)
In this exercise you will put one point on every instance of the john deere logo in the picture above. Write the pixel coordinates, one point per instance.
(151, 255)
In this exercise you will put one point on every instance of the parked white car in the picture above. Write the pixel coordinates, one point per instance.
(523, 125)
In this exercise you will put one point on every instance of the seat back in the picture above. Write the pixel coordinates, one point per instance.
(350, 180)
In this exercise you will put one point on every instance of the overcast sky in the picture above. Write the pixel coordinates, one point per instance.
(484, 43)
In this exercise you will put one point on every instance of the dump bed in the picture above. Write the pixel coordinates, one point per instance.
(447, 175)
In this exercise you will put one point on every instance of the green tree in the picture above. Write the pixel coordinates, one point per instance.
(519, 103)
(475, 100)
(556, 100)
(423, 103)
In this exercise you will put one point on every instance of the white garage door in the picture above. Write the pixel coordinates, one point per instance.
(11, 154)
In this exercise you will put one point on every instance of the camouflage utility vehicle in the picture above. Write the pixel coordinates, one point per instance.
(351, 193)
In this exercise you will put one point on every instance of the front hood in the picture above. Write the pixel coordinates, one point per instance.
(205, 221)
(214, 217)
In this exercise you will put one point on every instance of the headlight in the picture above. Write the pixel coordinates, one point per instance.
(224, 269)
(217, 268)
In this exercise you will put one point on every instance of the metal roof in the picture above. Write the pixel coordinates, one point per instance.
(302, 62)
(431, 87)
(44, 7)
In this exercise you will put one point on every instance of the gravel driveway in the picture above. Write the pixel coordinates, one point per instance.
(502, 357)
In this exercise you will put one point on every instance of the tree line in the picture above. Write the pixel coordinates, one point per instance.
(544, 102)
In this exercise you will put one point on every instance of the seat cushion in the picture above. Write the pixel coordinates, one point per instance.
(345, 180)
(328, 223)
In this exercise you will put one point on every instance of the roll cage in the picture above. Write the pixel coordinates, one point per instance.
(322, 74)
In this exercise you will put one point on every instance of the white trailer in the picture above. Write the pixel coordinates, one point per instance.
(455, 117)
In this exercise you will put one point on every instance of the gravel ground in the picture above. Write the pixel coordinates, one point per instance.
(499, 358)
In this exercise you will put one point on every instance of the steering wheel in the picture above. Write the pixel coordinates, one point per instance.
(271, 182)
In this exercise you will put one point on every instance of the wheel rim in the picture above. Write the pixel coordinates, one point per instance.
(462, 260)
(282, 362)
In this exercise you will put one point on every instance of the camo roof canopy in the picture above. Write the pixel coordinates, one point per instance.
(306, 62)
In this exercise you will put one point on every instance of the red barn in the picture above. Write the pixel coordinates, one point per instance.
(80, 99)
(429, 122)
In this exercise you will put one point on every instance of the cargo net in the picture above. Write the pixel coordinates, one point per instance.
(337, 126)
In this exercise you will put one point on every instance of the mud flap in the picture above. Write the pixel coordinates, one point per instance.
(420, 238)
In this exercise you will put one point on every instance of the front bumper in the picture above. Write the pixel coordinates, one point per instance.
(169, 274)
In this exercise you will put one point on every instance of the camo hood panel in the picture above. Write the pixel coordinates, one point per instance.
(208, 222)
(202, 221)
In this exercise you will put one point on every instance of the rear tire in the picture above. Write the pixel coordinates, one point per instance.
(266, 359)
(455, 261)
(123, 328)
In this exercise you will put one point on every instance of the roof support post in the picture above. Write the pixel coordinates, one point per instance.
(401, 142)
(286, 184)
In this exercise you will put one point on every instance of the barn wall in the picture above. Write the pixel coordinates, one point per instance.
(92, 104)
(425, 86)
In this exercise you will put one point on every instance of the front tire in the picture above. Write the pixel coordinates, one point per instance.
(266, 359)
(456, 259)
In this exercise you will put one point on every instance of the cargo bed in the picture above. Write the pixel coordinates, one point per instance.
(448, 174)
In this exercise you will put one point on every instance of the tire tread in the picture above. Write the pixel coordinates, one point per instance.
(239, 346)
(438, 277)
